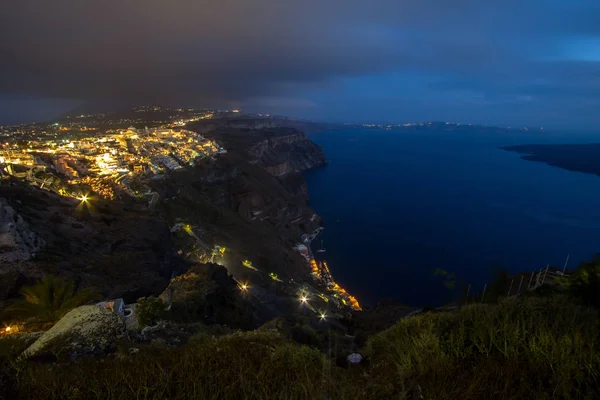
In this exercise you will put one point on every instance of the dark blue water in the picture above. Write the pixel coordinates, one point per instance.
(408, 203)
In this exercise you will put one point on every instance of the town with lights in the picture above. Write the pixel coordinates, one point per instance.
(74, 159)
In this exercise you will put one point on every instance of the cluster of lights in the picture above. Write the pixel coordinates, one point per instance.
(106, 159)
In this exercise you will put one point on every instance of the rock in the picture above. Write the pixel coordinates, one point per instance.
(198, 282)
(354, 358)
(17, 241)
(84, 330)
(134, 350)
(149, 330)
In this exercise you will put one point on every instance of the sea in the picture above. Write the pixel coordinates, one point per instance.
(397, 205)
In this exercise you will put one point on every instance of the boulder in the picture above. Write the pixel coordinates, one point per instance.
(17, 241)
(84, 330)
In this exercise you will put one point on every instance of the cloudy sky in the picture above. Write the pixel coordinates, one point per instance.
(504, 62)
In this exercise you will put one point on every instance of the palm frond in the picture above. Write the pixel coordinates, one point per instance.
(49, 299)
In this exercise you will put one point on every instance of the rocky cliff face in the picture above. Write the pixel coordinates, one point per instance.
(252, 213)
(17, 241)
(279, 150)
(290, 152)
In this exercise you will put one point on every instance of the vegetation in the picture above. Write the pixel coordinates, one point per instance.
(239, 366)
(584, 283)
(520, 348)
(49, 300)
(148, 310)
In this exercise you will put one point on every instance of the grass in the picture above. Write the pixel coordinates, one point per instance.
(521, 348)
(524, 348)
(242, 365)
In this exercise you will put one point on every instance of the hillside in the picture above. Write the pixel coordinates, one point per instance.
(246, 209)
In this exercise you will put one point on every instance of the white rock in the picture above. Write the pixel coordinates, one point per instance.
(85, 325)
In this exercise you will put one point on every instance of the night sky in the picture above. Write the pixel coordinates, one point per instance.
(502, 62)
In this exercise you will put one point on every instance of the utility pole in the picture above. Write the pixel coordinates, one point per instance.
(519, 289)
(484, 287)
(566, 261)
(468, 290)
(538, 280)
(530, 280)
(510, 287)
(545, 273)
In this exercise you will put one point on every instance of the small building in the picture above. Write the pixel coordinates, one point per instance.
(125, 311)
(117, 306)
(302, 249)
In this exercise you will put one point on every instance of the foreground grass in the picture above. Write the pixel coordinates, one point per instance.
(519, 349)
(243, 365)
(532, 348)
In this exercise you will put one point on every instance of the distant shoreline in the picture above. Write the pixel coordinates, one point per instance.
(583, 158)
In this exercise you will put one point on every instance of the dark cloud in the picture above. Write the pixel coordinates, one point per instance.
(256, 52)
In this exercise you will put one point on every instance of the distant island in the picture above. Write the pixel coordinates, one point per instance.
(573, 157)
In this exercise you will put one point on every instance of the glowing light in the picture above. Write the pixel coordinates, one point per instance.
(8, 328)
(248, 264)
(84, 198)
(244, 286)
(303, 299)
(323, 316)
(275, 277)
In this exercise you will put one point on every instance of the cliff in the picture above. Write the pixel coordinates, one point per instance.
(286, 151)
(279, 150)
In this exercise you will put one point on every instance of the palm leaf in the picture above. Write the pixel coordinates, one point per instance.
(49, 300)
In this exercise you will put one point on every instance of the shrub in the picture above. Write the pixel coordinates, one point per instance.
(149, 310)
(584, 283)
(304, 334)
